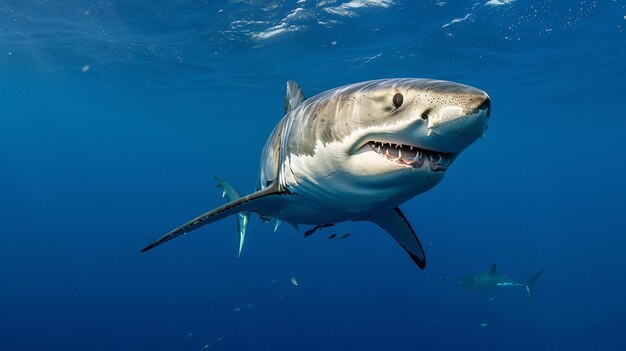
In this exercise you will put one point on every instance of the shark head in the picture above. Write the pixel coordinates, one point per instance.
(391, 135)
(414, 125)
(387, 139)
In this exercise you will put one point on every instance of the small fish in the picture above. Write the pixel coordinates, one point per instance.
(274, 281)
(314, 229)
(294, 281)
(444, 279)
(237, 309)
(492, 298)
(344, 236)
(250, 305)
(482, 325)
(206, 346)
(332, 236)
(189, 335)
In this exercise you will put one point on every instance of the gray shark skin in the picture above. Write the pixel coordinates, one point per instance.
(492, 281)
(356, 153)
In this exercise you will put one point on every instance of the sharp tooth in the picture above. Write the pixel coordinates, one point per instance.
(411, 148)
(429, 132)
(378, 150)
(399, 146)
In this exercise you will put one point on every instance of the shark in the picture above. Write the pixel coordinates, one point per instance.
(492, 281)
(356, 153)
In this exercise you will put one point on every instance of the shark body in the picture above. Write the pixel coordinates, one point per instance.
(492, 281)
(356, 153)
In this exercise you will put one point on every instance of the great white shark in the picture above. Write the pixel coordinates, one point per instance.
(492, 281)
(356, 153)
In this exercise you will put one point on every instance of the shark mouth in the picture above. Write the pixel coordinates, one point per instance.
(413, 156)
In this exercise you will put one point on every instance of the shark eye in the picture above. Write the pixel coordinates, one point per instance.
(397, 100)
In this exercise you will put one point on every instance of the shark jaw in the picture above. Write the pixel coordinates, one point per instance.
(412, 156)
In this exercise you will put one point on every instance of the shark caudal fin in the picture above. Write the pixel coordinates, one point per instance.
(530, 285)
(230, 194)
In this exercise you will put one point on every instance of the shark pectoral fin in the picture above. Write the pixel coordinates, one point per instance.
(260, 201)
(396, 224)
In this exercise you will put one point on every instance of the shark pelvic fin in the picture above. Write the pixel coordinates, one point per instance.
(294, 96)
(493, 268)
(530, 285)
(278, 224)
(264, 200)
(396, 224)
(243, 218)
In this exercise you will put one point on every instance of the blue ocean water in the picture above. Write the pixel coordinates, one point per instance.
(116, 115)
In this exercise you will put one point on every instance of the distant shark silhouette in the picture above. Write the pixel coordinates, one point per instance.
(492, 280)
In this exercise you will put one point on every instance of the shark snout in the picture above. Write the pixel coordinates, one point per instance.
(454, 127)
(484, 106)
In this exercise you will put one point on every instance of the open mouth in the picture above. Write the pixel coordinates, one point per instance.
(412, 156)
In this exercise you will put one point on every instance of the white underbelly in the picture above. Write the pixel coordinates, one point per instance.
(336, 196)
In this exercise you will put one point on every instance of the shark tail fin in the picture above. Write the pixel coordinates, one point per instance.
(230, 194)
(530, 285)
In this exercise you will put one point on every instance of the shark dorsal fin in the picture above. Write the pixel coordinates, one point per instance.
(493, 268)
(294, 96)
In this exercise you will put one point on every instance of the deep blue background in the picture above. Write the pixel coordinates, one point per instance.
(96, 164)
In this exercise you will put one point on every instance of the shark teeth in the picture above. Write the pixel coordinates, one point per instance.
(412, 156)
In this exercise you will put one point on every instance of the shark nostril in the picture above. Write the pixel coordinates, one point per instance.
(486, 105)
(425, 114)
